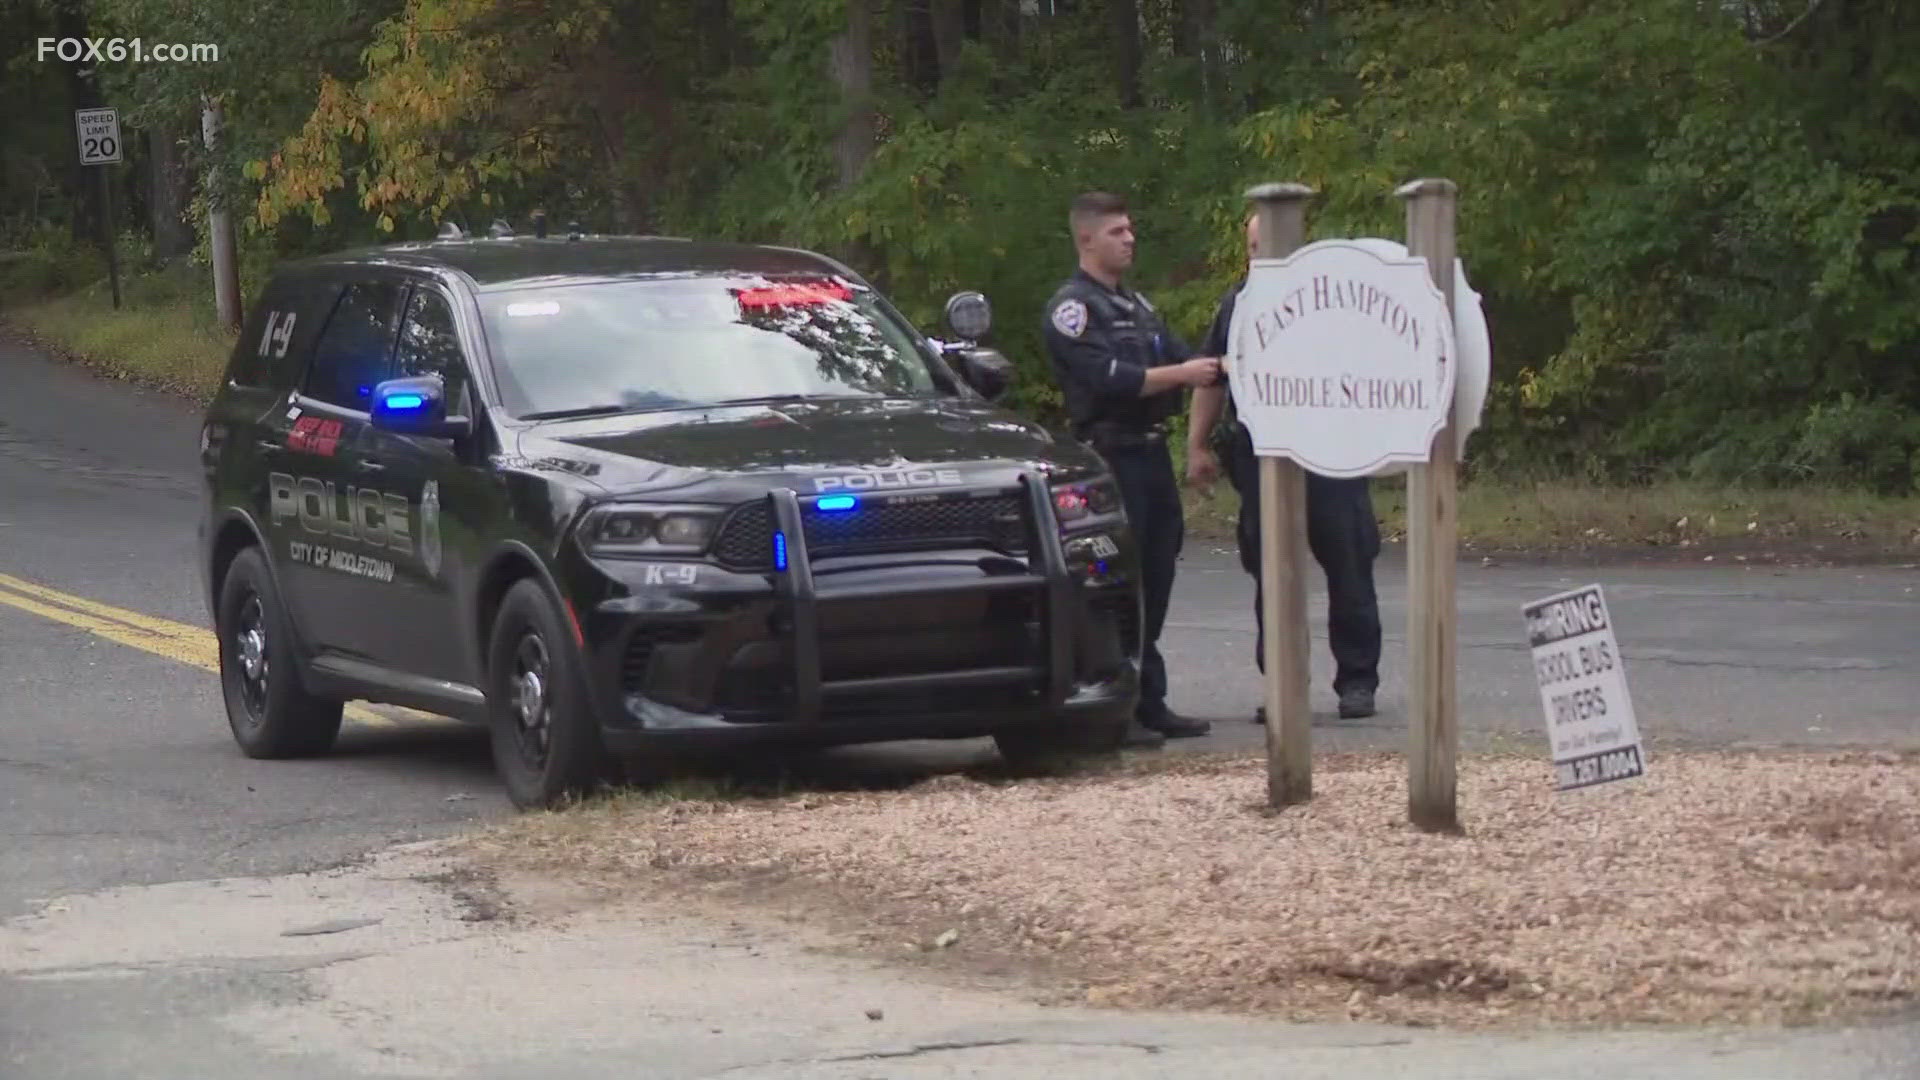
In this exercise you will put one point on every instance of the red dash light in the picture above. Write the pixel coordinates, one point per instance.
(786, 295)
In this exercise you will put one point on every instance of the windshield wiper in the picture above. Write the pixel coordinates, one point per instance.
(584, 410)
(761, 399)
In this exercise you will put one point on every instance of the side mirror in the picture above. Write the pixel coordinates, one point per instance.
(969, 315)
(417, 406)
(986, 371)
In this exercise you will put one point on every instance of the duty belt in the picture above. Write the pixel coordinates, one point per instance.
(1117, 437)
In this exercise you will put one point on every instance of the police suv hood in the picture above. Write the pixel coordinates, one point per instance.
(788, 441)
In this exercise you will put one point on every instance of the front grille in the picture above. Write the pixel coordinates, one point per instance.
(996, 521)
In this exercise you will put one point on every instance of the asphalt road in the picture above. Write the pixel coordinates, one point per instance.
(116, 767)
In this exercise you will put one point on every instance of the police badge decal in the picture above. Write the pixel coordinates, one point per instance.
(1070, 317)
(430, 527)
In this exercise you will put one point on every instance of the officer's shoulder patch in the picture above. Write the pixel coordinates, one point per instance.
(1070, 317)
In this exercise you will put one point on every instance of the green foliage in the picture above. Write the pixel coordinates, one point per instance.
(1694, 224)
(51, 262)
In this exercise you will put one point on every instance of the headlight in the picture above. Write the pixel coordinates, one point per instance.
(1089, 498)
(636, 529)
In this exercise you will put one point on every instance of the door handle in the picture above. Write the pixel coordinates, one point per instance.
(268, 446)
(368, 465)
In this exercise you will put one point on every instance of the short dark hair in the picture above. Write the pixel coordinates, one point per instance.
(1094, 204)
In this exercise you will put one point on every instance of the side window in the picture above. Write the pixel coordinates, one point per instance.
(429, 345)
(355, 348)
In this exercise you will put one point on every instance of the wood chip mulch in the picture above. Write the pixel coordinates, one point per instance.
(1722, 887)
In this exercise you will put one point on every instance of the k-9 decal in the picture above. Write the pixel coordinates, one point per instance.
(278, 334)
(671, 574)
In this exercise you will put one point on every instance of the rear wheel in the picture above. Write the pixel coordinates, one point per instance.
(545, 744)
(270, 711)
(1064, 739)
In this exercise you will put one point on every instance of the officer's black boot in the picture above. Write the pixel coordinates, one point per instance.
(1356, 701)
(1172, 724)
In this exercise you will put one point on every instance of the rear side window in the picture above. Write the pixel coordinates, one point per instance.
(355, 349)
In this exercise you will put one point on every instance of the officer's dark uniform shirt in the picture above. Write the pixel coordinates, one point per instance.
(1101, 342)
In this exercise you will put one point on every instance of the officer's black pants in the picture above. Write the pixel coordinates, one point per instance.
(1151, 496)
(1345, 540)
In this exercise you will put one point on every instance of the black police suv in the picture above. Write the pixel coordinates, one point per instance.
(620, 498)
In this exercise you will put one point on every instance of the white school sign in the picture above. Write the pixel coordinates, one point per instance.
(1342, 358)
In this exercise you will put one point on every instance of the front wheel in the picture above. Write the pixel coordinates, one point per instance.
(1063, 740)
(270, 711)
(546, 747)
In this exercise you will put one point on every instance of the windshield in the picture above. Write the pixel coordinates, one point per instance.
(689, 342)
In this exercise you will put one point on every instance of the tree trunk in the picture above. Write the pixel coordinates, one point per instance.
(949, 33)
(718, 35)
(1000, 27)
(1200, 39)
(168, 185)
(850, 59)
(83, 187)
(919, 56)
(1124, 16)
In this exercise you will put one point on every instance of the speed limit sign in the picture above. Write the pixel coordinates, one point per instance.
(99, 135)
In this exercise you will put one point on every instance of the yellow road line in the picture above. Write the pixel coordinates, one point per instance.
(182, 642)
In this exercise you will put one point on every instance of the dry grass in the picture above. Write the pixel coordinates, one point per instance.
(1674, 518)
(1722, 887)
(161, 340)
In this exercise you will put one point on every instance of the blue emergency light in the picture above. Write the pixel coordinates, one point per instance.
(401, 402)
(837, 502)
(779, 551)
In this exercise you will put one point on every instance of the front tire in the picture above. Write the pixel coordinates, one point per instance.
(269, 710)
(1063, 740)
(546, 747)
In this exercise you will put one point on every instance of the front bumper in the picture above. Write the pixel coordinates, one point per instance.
(947, 643)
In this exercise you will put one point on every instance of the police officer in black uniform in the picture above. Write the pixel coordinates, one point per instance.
(1341, 528)
(1123, 374)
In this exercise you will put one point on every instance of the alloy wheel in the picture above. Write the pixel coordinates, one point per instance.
(529, 688)
(250, 651)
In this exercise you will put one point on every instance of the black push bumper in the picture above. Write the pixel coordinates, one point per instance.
(1051, 686)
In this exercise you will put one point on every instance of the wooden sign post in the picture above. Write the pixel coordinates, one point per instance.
(1433, 529)
(1282, 210)
(1343, 361)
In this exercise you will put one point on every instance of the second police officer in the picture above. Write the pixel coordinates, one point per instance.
(1341, 529)
(1123, 374)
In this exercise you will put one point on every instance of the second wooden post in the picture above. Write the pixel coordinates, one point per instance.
(1433, 529)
